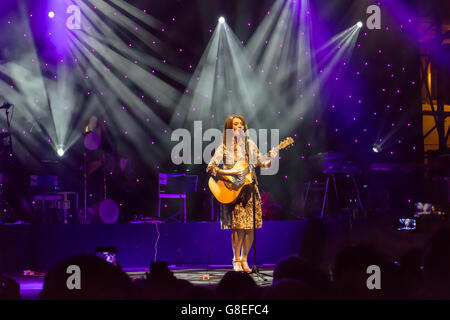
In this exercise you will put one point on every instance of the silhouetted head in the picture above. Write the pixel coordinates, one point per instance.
(159, 271)
(98, 280)
(437, 256)
(351, 273)
(234, 285)
(295, 268)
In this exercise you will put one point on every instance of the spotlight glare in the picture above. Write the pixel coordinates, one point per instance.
(51, 14)
(60, 150)
(359, 24)
(376, 148)
(221, 20)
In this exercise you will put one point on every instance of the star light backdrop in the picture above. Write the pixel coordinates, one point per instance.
(147, 68)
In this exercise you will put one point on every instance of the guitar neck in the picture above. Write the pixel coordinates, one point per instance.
(277, 148)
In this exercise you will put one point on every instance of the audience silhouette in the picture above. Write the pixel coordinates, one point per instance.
(100, 280)
(419, 273)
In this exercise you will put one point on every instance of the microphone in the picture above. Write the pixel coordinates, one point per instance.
(6, 105)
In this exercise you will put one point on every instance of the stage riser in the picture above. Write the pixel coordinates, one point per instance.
(38, 247)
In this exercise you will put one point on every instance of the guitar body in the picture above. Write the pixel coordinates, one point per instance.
(227, 188)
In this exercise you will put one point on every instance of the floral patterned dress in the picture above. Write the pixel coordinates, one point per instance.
(239, 214)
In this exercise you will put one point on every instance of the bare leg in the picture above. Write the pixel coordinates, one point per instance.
(247, 244)
(237, 237)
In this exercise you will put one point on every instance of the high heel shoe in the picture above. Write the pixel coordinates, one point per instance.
(237, 265)
(245, 266)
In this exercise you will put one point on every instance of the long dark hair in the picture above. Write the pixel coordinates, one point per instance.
(229, 125)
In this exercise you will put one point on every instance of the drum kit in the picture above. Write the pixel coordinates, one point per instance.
(105, 210)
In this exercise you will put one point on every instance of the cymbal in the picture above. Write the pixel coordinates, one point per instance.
(329, 155)
(4, 135)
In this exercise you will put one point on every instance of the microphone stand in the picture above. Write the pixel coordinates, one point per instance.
(8, 123)
(10, 214)
(255, 269)
(104, 175)
(85, 187)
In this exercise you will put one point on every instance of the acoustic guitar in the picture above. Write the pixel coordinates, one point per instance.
(227, 188)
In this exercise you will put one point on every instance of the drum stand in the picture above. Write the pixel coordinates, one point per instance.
(355, 185)
(7, 214)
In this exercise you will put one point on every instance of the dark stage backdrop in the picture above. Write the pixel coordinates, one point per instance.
(376, 96)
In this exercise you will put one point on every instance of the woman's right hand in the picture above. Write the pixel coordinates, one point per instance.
(234, 173)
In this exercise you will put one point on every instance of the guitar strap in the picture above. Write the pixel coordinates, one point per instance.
(223, 155)
(247, 150)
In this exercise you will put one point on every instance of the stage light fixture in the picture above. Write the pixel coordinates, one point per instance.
(376, 148)
(60, 150)
(221, 20)
(359, 24)
(51, 14)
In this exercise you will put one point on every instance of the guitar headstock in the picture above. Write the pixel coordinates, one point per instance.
(286, 143)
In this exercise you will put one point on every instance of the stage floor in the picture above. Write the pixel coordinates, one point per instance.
(31, 286)
(196, 245)
(184, 245)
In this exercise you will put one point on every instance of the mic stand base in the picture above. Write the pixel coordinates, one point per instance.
(260, 275)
